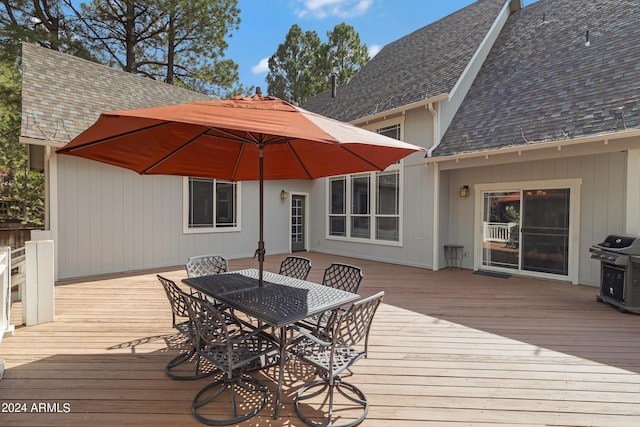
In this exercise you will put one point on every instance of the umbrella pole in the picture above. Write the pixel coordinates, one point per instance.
(261, 250)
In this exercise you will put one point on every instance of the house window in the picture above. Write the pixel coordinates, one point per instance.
(360, 206)
(367, 206)
(211, 205)
(337, 206)
(388, 206)
(390, 131)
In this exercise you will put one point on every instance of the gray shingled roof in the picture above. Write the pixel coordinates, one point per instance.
(541, 78)
(421, 65)
(63, 95)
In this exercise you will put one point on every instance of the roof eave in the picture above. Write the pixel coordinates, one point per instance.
(399, 110)
(54, 143)
(607, 136)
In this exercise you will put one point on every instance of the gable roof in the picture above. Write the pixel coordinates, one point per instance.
(541, 83)
(62, 95)
(424, 64)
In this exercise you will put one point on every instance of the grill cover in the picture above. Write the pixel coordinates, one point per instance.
(619, 244)
(615, 241)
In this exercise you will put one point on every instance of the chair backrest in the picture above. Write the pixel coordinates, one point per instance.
(212, 333)
(353, 325)
(176, 298)
(209, 322)
(343, 276)
(206, 265)
(296, 267)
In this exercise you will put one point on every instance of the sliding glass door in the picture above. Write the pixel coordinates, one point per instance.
(526, 230)
(545, 231)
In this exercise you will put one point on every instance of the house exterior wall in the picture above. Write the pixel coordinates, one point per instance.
(417, 243)
(417, 215)
(602, 199)
(113, 220)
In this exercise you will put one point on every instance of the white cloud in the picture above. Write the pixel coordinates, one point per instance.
(261, 67)
(374, 49)
(321, 9)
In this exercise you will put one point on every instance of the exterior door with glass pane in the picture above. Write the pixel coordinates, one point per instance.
(545, 231)
(501, 229)
(298, 238)
(527, 230)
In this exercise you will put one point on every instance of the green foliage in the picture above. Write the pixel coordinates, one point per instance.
(21, 191)
(181, 42)
(302, 65)
(345, 52)
(295, 69)
(44, 22)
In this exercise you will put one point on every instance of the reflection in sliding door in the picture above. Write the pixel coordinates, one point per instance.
(501, 226)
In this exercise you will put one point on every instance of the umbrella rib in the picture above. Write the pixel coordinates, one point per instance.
(295, 153)
(173, 152)
(230, 136)
(225, 134)
(362, 158)
(109, 138)
(236, 165)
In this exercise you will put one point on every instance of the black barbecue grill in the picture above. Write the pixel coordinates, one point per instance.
(619, 257)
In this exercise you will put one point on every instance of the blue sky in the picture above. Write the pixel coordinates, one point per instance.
(265, 23)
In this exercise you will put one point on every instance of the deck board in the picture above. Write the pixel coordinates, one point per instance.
(447, 348)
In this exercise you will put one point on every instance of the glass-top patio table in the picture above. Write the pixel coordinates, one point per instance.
(280, 302)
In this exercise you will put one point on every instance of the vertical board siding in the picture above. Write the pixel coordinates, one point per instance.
(417, 224)
(114, 220)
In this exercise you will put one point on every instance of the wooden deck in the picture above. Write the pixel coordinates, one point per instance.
(448, 348)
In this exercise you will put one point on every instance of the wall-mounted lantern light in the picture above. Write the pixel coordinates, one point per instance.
(283, 194)
(464, 191)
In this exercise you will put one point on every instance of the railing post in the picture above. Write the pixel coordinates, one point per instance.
(5, 293)
(38, 291)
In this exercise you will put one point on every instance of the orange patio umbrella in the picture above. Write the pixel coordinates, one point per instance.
(243, 138)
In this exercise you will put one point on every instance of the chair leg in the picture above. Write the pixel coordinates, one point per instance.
(187, 358)
(258, 390)
(348, 390)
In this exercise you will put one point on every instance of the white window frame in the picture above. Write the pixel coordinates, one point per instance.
(200, 230)
(373, 198)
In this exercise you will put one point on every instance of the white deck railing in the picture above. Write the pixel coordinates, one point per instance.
(18, 272)
(497, 231)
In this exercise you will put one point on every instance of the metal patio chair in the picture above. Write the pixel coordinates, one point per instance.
(339, 276)
(234, 349)
(343, 276)
(295, 266)
(182, 323)
(332, 351)
(205, 265)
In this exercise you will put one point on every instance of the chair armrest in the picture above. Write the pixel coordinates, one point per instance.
(306, 334)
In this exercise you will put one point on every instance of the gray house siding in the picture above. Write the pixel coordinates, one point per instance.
(113, 220)
(417, 240)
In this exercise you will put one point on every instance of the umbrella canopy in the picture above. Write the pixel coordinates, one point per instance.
(243, 138)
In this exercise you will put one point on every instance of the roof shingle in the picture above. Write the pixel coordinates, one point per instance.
(63, 95)
(421, 65)
(541, 82)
